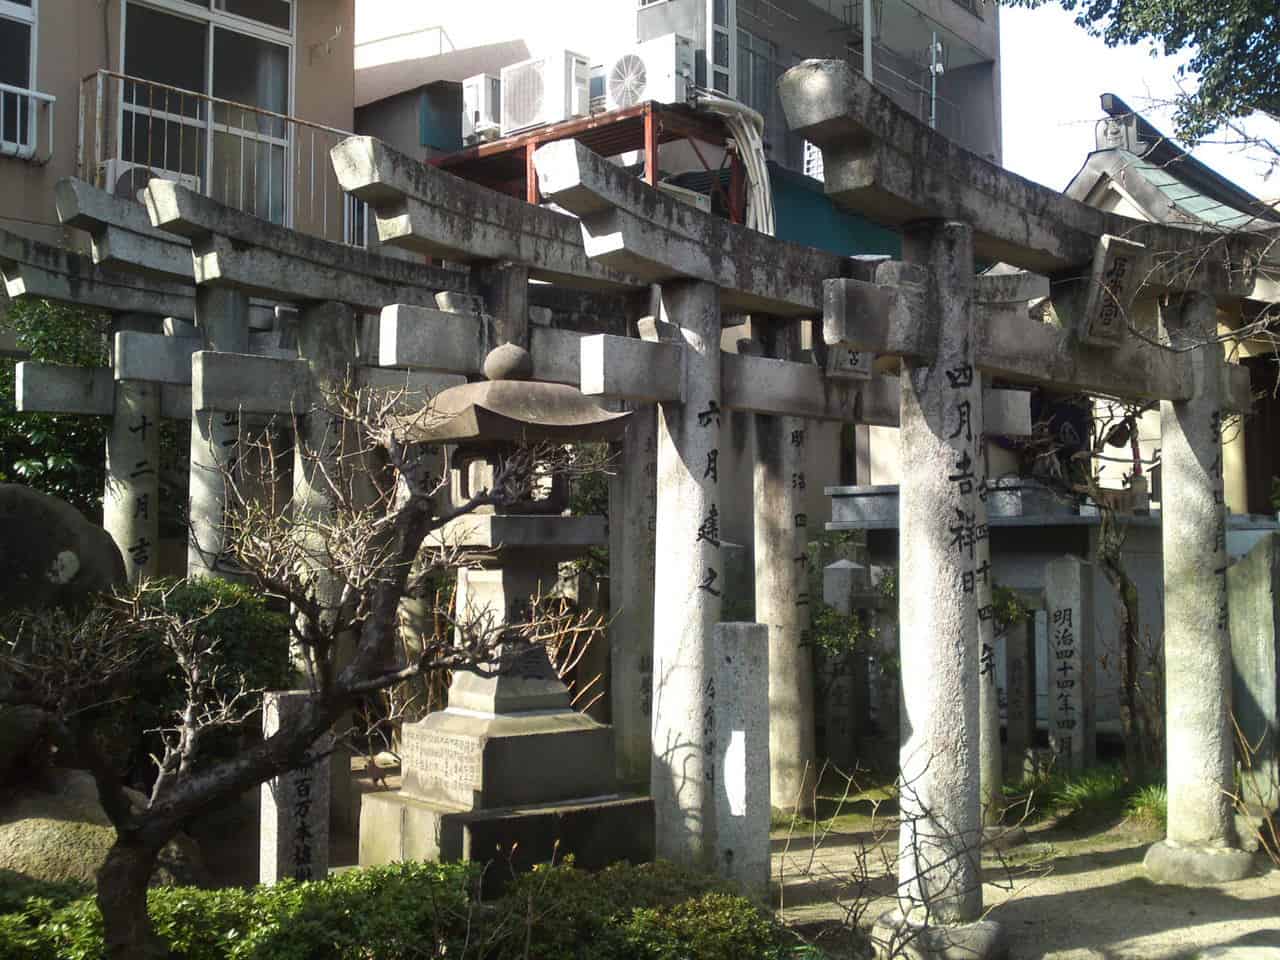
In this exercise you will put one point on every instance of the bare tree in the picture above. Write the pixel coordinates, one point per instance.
(372, 533)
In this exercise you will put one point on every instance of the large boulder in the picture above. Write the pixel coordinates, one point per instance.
(57, 831)
(24, 742)
(50, 555)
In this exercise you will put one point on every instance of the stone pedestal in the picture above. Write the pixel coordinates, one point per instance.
(509, 772)
(1253, 591)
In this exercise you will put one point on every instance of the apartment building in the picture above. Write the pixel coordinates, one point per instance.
(937, 58)
(239, 99)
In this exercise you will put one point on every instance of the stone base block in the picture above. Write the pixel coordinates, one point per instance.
(1196, 866)
(394, 827)
(1257, 826)
(895, 939)
(474, 761)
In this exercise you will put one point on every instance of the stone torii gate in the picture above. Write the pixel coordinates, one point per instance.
(621, 222)
(134, 405)
(143, 278)
(949, 205)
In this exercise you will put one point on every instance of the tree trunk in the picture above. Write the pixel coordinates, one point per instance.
(1110, 544)
(122, 898)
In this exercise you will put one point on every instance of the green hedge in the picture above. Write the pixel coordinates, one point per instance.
(419, 910)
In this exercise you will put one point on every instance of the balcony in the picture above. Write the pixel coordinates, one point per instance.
(24, 116)
(267, 164)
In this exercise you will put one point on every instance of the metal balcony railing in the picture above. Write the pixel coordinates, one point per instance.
(268, 164)
(20, 124)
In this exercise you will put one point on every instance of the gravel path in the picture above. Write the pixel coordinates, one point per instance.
(1061, 896)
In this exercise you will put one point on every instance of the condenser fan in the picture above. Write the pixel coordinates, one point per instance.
(132, 184)
(627, 80)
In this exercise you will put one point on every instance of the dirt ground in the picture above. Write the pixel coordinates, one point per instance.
(1063, 895)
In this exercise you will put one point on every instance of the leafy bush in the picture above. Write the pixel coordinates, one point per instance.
(252, 641)
(1081, 798)
(426, 910)
(58, 454)
(1149, 805)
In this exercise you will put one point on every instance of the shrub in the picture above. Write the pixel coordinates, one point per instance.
(1149, 805)
(252, 642)
(422, 910)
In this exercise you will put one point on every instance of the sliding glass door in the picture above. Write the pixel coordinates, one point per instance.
(211, 97)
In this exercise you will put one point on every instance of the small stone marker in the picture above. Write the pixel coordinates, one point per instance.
(1020, 697)
(294, 842)
(738, 699)
(1068, 589)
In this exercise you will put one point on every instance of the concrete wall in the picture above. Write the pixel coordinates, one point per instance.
(393, 121)
(77, 37)
(73, 41)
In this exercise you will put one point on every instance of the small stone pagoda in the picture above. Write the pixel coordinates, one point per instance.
(509, 772)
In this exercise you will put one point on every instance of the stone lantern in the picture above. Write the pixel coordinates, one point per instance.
(509, 771)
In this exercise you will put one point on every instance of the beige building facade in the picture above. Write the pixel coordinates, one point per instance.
(239, 99)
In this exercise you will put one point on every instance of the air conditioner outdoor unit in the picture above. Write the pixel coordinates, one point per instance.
(480, 104)
(685, 195)
(660, 69)
(128, 180)
(545, 90)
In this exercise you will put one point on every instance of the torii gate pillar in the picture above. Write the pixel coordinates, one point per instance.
(688, 584)
(1200, 846)
(942, 525)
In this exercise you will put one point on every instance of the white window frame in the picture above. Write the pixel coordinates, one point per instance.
(28, 15)
(769, 55)
(215, 19)
(729, 29)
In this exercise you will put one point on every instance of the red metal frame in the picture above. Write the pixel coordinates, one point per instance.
(507, 165)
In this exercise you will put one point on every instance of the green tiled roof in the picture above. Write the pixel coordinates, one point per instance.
(1189, 201)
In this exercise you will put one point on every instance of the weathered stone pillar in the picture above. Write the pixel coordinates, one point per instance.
(633, 498)
(222, 317)
(327, 342)
(782, 599)
(294, 835)
(990, 750)
(131, 500)
(939, 877)
(688, 582)
(1201, 830)
(739, 696)
(1253, 585)
(1068, 594)
(1020, 696)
